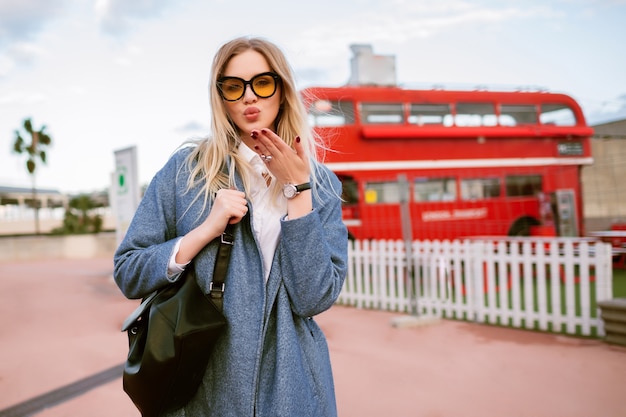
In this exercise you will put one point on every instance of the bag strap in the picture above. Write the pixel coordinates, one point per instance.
(217, 286)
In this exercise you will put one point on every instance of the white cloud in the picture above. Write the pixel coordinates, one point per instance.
(146, 82)
(6, 66)
(123, 61)
(116, 16)
(22, 20)
(24, 53)
(21, 97)
(78, 90)
(192, 127)
(606, 111)
(20, 24)
(130, 53)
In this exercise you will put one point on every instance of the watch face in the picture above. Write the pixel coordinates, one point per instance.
(290, 191)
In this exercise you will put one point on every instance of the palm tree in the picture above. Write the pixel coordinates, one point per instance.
(39, 140)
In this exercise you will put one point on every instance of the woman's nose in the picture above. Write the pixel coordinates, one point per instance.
(248, 94)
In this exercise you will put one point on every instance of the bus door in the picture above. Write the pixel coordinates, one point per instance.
(564, 207)
(350, 211)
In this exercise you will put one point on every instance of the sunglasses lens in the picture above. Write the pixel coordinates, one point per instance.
(232, 88)
(264, 85)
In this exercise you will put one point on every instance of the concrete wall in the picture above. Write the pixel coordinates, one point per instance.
(27, 226)
(24, 248)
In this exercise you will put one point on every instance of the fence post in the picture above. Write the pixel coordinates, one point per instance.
(475, 287)
(407, 236)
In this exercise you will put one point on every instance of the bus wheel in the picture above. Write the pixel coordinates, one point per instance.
(521, 226)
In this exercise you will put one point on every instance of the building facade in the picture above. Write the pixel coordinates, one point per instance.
(604, 182)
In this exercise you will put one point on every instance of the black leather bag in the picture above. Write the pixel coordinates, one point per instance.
(171, 336)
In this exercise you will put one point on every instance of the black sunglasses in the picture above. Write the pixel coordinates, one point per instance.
(263, 85)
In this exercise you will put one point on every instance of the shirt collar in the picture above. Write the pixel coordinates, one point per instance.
(248, 154)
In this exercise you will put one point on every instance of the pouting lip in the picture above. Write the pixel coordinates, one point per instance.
(251, 111)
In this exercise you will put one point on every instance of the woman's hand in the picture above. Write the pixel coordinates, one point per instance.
(287, 165)
(230, 206)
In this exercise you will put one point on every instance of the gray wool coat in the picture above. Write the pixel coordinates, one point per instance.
(273, 359)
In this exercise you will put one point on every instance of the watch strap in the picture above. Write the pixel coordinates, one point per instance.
(303, 187)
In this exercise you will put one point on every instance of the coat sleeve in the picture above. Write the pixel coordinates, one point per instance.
(313, 252)
(141, 260)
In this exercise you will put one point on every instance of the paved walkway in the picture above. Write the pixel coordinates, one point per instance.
(60, 321)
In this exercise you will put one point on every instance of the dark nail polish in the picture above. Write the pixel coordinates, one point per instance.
(256, 148)
(298, 139)
(254, 134)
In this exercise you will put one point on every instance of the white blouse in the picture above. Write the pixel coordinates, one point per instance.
(266, 214)
(265, 217)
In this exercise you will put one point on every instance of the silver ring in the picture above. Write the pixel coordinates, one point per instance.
(267, 158)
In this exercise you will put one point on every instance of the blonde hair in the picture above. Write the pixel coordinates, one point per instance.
(205, 162)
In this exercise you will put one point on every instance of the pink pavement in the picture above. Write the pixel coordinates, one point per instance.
(60, 322)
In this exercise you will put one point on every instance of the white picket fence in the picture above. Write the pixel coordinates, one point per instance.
(531, 283)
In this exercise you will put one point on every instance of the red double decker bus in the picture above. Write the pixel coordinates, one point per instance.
(476, 162)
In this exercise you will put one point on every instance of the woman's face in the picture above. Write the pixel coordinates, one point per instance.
(250, 111)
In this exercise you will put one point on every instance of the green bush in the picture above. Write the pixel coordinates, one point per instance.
(79, 219)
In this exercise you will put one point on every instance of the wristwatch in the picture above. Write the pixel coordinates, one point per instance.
(290, 190)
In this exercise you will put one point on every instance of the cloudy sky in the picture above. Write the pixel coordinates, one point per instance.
(104, 75)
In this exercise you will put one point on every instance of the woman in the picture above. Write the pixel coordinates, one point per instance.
(288, 262)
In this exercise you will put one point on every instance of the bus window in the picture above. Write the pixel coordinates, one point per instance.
(382, 192)
(480, 188)
(350, 190)
(475, 114)
(557, 115)
(517, 114)
(331, 113)
(434, 189)
(429, 114)
(350, 210)
(382, 113)
(523, 185)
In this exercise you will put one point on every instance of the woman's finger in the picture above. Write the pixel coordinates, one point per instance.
(232, 203)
